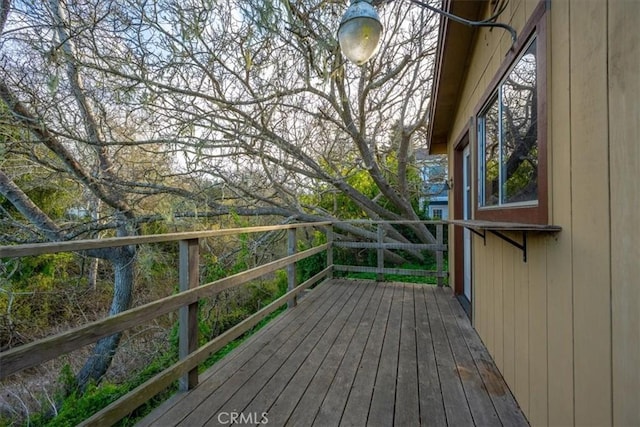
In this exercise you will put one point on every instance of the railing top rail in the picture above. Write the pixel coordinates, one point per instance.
(81, 245)
(373, 221)
(110, 242)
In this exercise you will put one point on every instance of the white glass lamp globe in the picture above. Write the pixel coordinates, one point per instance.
(359, 32)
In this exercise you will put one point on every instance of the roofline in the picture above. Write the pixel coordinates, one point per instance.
(454, 45)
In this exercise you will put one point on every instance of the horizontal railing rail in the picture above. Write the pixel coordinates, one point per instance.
(381, 245)
(113, 242)
(141, 394)
(38, 352)
(192, 292)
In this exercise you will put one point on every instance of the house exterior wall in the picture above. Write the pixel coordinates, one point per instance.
(623, 55)
(564, 327)
(438, 211)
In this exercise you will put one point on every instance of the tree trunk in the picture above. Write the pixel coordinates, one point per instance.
(98, 363)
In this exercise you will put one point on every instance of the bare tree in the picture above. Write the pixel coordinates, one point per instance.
(225, 106)
(95, 180)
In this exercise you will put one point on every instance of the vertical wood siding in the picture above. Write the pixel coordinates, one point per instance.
(590, 206)
(564, 327)
(624, 157)
(560, 283)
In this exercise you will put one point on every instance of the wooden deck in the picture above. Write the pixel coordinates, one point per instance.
(355, 353)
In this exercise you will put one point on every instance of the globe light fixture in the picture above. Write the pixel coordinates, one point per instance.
(360, 28)
(360, 31)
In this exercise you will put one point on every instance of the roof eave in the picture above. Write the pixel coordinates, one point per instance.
(455, 42)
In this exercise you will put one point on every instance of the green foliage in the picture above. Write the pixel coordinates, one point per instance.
(281, 282)
(242, 259)
(235, 343)
(233, 306)
(38, 294)
(154, 264)
(155, 227)
(212, 269)
(8, 132)
(339, 204)
(41, 270)
(308, 267)
(405, 278)
(343, 207)
(54, 193)
(237, 305)
(76, 408)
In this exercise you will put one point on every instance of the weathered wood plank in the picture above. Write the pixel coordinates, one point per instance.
(407, 405)
(252, 359)
(241, 389)
(385, 245)
(257, 344)
(503, 401)
(498, 304)
(381, 412)
(380, 254)
(359, 400)
(478, 399)
(510, 257)
(328, 371)
(112, 242)
(538, 384)
(387, 270)
(450, 383)
(291, 268)
(431, 402)
(506, 226)
(331, 409)
(188, 323)
(522, 315)
(310, 352)
(560, 284)
(309, 385)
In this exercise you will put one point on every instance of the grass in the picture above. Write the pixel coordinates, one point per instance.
(427, 280)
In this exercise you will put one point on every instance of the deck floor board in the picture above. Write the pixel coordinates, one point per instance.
(333, 406)
(354, 353)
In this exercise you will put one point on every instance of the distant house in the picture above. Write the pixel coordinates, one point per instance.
(542, 138)
(78, 212)
(434, 199)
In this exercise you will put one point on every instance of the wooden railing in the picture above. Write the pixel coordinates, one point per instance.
(381, 245)
(186, 302)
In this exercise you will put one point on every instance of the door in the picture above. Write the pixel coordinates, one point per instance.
(466, 214)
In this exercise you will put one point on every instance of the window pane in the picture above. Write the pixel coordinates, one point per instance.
(491, 155)
(519, 131)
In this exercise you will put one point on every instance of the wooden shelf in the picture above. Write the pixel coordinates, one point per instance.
(480, 228)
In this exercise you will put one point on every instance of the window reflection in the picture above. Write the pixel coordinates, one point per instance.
(491, 155)
(519, 131)
(508, 137)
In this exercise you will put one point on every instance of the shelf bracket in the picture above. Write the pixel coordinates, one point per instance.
(483, 234)
(522, 246)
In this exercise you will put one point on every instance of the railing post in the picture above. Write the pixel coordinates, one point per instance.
(291, 268)
(380, 274)
(330, 238)
(188, 316)
(439, 266)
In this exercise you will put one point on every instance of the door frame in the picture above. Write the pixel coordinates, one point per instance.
(464, 141)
